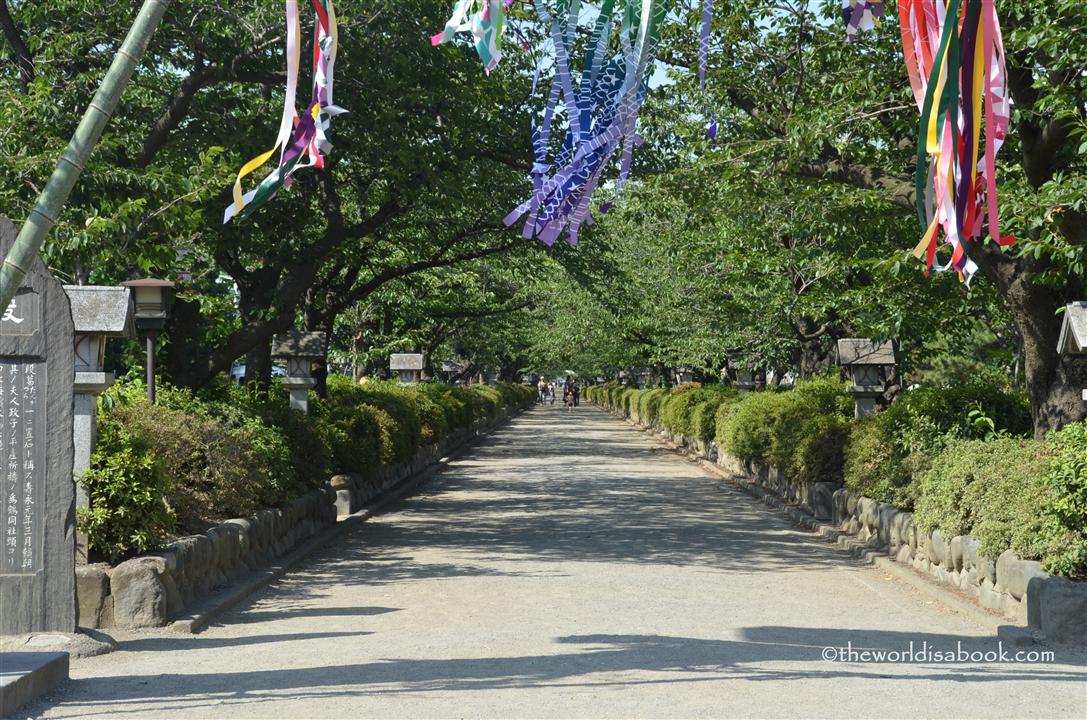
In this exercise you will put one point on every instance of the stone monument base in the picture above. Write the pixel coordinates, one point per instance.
(26, 676)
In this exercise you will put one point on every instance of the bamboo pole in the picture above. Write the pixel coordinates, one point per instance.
(53, 198)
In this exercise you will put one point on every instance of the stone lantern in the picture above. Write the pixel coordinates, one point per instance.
(153, 299)
(409, 366)
(98, 313)
(299, 349)
(870, 365)
(1073, 341)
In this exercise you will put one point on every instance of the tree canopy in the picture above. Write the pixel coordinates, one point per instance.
(754, 250)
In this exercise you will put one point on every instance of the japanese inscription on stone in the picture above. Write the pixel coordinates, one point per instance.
(22, 445)
(37, 493)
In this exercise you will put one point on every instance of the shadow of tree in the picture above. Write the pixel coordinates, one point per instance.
(771, 653)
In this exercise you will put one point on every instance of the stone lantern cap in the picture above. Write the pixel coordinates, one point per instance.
(299, 344)
(406, 361)
(862, 351)
(101, 310)
(1073, 339)
(867, 362)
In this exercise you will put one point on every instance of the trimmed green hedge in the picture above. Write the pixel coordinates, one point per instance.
(802, 432)
(889, 451)
(690, 409)
(190, 461)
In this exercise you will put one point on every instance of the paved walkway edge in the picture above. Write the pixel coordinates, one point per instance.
(223, 600)
(867, 553)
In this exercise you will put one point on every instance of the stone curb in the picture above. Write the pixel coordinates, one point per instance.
(221, 601)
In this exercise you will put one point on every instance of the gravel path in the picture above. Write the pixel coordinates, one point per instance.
(568, 567)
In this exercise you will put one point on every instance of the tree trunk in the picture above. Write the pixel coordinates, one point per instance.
(812, 356)
(258, 365)
(320, 367)
(181, 340)
(1054, 382)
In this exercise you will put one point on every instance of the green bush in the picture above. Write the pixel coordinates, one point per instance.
(747, 432)
(1013, 493)
(128, 491)
(819, 452)
(676, 407)
(704, 419)
(192, 460)
(872, 467)
(222, 461)
(649, 403)
(691, 409)
(982, 487)
(889, 452)
(802, 433)
(808, 431)
(1065, 513)
(720, 422)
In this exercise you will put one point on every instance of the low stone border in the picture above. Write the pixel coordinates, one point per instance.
(153, 589)
(1053, 609)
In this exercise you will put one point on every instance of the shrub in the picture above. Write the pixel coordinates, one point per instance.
(675, 408)
(691, 409)
(807, 433)
(983, 487)
(649, 405)
(704, 419)
(720, 422)
(128, 489)
(1065, 529)
(889, 452)
(873, 468)
(192, 460)
(819, 452)
(399, 420)
(747, 429)
(222, 462)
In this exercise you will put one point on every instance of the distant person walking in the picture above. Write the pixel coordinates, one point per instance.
(541, 390)
(577, 394)
(568, 397)
(551, 392)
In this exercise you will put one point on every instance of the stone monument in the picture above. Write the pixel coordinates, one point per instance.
(37, 504)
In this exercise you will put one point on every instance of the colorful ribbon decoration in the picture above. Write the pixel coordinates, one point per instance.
(485, 20)
(955, 59)
(861, 15)
(600, 110)
(602, 113)
(301, 139)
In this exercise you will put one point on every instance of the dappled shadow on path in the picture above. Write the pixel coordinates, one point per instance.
(760, 654)
(583, 487)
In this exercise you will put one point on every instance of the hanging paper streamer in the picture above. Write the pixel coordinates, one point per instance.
(955, 58)
(861, 15)
(302, 140)
(599, 109)
(485, 20)
(601, 112)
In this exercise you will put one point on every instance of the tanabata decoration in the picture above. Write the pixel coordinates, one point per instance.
(861, 15)
(601, 111)
(302, 139)
(573, 145)
(955, 59)
(485, 20)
